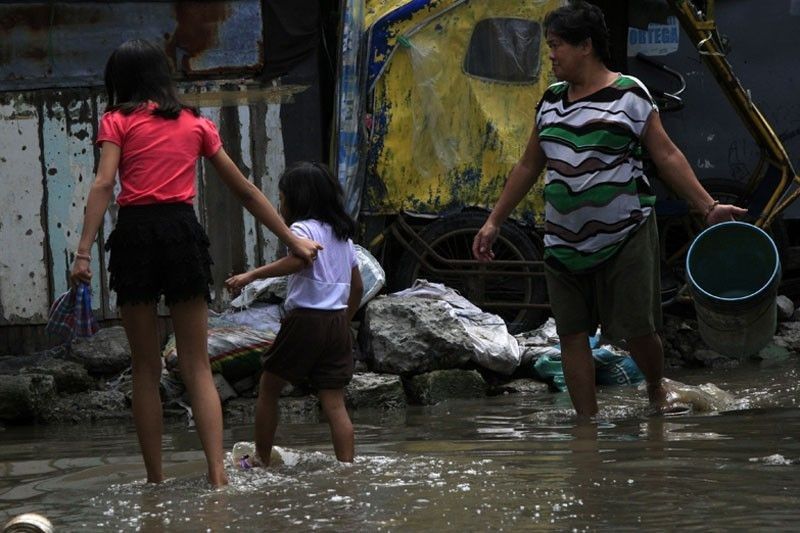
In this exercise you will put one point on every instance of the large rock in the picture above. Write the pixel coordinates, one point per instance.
(773, 353)
(383, 391)
(11, 364)
(247, 386)
(520, 386)
(681, 340)
(302, 410)
(89, 406)
(70, 377)
(25, 398)
(412, 335)
(224, 389)
(434, 387)
(785, 308)
(107, 353)
(715, 360)
(788, 335)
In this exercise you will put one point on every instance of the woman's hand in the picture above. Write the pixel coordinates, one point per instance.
(305, 249)
(482, 244)
(81, 271)
(235, 283)
(724, 213)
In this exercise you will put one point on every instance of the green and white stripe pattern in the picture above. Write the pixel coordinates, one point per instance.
(596, 193)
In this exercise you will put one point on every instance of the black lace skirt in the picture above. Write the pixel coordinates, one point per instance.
(159, 249)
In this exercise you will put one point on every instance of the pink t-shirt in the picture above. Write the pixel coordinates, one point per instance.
(159, 155)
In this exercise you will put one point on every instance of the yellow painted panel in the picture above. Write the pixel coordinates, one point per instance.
(450, 139)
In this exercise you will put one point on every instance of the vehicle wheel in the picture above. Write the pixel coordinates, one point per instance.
(451, 238)
(676, 233)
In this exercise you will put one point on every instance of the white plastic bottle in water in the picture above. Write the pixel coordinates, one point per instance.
(243, 455)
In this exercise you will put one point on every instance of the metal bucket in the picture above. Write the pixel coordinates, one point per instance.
(733, 271)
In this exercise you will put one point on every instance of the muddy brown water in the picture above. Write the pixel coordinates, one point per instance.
(509, 463)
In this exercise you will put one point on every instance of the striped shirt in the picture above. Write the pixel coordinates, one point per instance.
(596, 193)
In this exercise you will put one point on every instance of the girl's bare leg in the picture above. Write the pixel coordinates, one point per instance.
(190, 322)
(269, 392)
(332, 401)
(141, 327)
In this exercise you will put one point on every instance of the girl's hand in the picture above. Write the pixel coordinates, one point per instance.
(81, 271)
(305, 249)
(235, 283)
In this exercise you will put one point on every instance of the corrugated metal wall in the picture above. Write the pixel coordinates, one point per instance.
(51, 64)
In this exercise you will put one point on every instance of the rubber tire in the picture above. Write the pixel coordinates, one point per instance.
(451, 237)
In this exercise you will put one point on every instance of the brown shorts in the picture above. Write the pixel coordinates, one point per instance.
(313, 347)
(623, 296)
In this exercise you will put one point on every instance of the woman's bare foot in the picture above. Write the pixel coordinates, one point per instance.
(657, 395)
(660, 404)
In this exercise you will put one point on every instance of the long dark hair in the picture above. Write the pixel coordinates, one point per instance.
(310, 191)
(579, 21)
(137, 72)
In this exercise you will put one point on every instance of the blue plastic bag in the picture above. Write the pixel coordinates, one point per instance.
(610, 368)
(614, 369)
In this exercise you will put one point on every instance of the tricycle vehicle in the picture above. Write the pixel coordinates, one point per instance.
(448, 91)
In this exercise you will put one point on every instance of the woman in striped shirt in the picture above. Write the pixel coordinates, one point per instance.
(601, 240)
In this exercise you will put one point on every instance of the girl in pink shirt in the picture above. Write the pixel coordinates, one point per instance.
(157, 246)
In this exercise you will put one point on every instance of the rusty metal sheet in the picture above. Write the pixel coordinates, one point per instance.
(252, 136)
(68, 131)
(274, 165)
(24, 293)
(66, 44)
(47, 160)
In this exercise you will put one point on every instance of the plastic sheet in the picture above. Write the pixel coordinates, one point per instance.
(612, 366)
(233, 351)
(428, 113)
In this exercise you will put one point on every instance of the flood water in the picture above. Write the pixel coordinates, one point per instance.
(508, 463)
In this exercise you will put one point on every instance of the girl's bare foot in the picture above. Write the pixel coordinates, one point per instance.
(218, 481)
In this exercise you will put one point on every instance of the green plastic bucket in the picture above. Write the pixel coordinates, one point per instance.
(734, 270)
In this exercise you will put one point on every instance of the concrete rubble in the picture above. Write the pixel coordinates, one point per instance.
(410, 351)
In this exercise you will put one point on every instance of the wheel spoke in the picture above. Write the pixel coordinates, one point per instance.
(451, 239)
